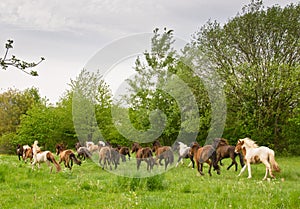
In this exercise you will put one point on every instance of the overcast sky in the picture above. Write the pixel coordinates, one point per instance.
(68, 33)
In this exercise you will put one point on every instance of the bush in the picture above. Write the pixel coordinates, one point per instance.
(7, 145)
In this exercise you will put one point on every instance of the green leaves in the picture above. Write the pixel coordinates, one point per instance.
(257, 54)
(17, 63)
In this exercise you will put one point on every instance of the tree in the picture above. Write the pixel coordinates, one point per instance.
(14, 104)
(257, 55)
(5, 62)
(161, 100)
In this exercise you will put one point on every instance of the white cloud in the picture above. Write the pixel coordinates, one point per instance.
(69, 32)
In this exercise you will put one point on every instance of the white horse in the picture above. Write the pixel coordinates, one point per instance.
(254, 154)
(183, 150)
(40, 157)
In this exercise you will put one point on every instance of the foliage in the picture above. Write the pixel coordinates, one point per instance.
(257, 54)
(13, 104)
(17, 63)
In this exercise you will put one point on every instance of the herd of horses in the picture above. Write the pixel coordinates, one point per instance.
(108, 156)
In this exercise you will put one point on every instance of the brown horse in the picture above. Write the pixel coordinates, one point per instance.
(163, 153)
(123, 152)
(25, 152)
(82, 152)
(143, 154)
(105, 155)
(224, 150)
(67, 156)
(205, 154)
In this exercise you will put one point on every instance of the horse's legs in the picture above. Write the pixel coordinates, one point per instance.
(166, 163)
(32, 164)
(198, 167)
(243, 169)
(201, 169)
(49, 165)
(192, 162)
(160, 159)
(138, 163)
(233, 163)
(249, 171)
(209, 168)
(268, 168)
(180, 158)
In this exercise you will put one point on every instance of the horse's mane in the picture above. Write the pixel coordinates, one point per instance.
(249, 142)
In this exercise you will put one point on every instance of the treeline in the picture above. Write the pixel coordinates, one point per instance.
(244, 74)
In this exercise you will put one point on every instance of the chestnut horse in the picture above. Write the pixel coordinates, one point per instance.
(205, 154)
(163, 153)
(255, 154)
(67, 156)
(143, 154)
(224, 150)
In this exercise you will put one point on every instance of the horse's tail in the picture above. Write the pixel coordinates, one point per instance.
(51, 158)
(241, 159)
(274, 164)
(73, 157)
(215, 162)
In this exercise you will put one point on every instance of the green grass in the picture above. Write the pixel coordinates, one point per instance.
(88, 186)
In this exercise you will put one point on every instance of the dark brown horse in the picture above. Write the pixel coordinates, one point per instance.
(82, 152)
(224, 150)
(123, 152)
(143, 154)
(163, 153)
(205, 154)
(20, 151)
(67, 156)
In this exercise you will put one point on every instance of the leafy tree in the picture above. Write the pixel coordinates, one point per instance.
(5, 62)
(257, 55)
(13, 104)
(163, 82)
(91, 106)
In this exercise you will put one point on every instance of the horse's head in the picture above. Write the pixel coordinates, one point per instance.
(195, 146)
(135, 147)
(59, 148)
(239, 146)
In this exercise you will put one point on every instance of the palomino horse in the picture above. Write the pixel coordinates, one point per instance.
(143, 154)
(224, 150)
(205, 154)
(67, 156)
(45, 156)
(254, 154)
(163, 153)
(184, 152)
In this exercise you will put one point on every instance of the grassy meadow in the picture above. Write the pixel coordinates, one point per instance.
(88, 186)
